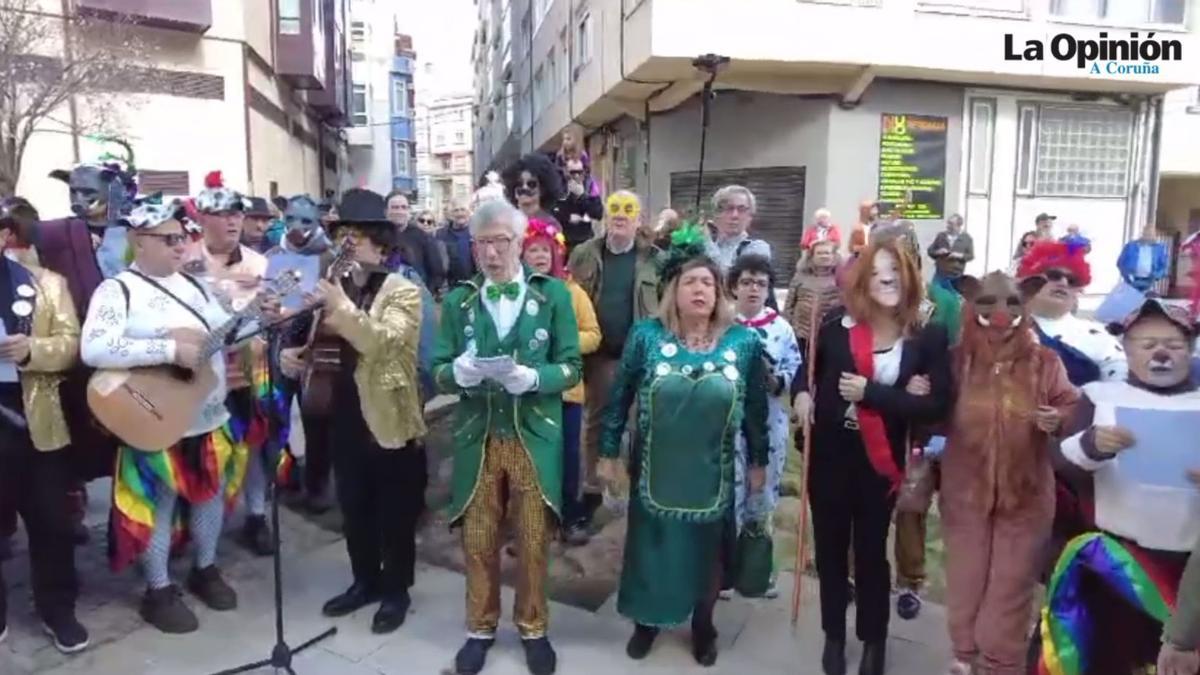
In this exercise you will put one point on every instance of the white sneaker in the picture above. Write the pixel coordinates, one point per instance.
(725, 594)
(772, 592)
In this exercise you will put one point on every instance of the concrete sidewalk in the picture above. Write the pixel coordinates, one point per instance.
(756, 636)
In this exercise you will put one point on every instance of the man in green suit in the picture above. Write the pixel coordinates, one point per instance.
(509, 347)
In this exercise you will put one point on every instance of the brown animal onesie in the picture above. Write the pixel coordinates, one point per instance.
(997, 489)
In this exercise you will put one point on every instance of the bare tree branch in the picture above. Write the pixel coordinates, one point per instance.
(39, 74)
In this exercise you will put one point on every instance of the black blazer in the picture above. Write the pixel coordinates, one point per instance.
(927, 353)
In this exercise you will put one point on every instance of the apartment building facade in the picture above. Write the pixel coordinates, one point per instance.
(257, 90)
(445, 171)
(382, 133)
(978, 107)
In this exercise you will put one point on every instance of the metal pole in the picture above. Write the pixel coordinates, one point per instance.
(704, 106)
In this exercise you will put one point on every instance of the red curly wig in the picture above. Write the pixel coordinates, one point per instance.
(546, 232)
(1049, 255)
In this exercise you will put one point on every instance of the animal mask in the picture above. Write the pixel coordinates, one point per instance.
(302, 216)
(96, 194)
(996, 301)
(623, 205)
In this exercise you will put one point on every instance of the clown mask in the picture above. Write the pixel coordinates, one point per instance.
(1159, 350)
(997, 301)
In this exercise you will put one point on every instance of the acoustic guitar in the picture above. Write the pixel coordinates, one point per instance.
(151, 408)
(325, 354)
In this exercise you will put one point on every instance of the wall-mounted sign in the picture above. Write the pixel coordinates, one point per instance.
(912, 166)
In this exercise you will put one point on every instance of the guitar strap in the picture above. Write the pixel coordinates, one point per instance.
(176, 298)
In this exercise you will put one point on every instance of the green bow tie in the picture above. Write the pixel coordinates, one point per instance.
(510, 290)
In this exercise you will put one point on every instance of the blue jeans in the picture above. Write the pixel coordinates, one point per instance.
(572, 419)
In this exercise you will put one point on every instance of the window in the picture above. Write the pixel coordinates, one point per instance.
(509, 105)
(539, 90)
(540, 9)
(399, 97)
(1083, 152)
(563, 75)
(358, 106)
(289, 17)
(358, 33)
(583, 42)
(444, 162)
(460, 137)
(983, 112)
(1026, 148)
(401, 158)
(440, 139)
(505, 36)
(1124, 12)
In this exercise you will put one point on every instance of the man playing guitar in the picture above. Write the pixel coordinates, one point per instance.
(379, 462)
(154, 315)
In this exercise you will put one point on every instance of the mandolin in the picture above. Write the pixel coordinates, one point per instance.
(152, 408)
(325, 354)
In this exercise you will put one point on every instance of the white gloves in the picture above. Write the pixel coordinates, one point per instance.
(522, 379)
(466, 373)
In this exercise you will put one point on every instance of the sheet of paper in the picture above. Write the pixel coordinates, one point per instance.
(1119, 304)
(309, 267)
(495, 367)
(8, 369)
(1162, 454)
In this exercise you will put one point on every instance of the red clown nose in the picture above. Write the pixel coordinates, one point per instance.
(1000, 319)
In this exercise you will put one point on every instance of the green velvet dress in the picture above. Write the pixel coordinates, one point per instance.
(690, 408)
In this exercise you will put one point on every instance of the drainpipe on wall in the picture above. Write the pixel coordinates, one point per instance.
(1156, 126)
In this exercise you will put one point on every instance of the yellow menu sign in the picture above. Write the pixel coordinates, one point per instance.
(912, 166)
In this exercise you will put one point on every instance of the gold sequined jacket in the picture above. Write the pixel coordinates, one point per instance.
(385, 337)
(53, 349)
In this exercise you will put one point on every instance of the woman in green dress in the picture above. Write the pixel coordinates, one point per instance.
(697, 379)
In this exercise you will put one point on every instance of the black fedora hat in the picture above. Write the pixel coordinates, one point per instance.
(362, 208)
(257, 207)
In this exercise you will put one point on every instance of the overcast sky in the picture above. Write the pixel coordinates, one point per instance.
(442, 31)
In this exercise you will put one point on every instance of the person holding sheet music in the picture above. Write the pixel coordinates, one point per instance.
(130, 323)
(1147, 507)
(39, 342)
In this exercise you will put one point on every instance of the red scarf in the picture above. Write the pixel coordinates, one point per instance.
(870, 422)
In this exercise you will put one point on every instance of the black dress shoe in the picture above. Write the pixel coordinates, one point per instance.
(539, 656)
(355, 598)
(873, 658)
(391, 614)
(641, 642)
(833, 658)
(472, 655)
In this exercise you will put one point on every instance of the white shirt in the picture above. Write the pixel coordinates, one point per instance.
(886, 361)
(1090, 338)
(504, 312)
(1157, 517)
(119, 334)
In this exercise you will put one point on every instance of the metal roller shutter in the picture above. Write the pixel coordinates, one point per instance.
(779, 191)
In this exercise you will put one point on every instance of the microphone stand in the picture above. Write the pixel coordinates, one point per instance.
(281, 654)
